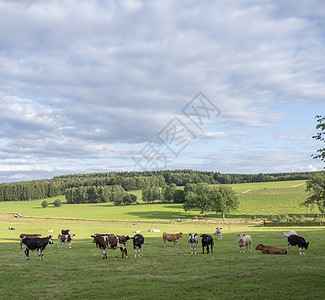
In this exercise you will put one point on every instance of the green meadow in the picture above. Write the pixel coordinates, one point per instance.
(162, 273)
(261, 200)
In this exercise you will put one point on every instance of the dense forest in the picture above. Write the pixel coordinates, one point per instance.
(98, 187)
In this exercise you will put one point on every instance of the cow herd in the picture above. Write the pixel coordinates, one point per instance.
(112, 241)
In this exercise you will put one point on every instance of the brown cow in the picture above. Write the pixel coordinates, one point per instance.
(171, 238)
(65, 238)
(34, 235)
(270, 249)
(111, 242)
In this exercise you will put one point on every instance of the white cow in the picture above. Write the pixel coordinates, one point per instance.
(286, 234)
(153, 230)
(193, 240)
(218, 233)
(244, 240)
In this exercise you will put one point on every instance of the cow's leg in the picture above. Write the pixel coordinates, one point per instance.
(126, 252)
(203, 249)
(104, 254)
(27, 253)
(70, 244)
(211, 248)
(135, 252)
(240, 249)
(141, 250)
(288, 246)
(208, 249)
(164, 242)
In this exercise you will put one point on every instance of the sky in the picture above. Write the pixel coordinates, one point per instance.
(98, 86)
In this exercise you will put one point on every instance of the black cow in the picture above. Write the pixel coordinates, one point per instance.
(65, 232)
(138, 241)
(295, 240)
(38, 244)
(207, 241)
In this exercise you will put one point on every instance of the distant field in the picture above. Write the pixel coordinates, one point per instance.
(265, 199)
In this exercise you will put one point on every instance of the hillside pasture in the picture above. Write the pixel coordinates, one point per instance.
(162, 273)
(265, 199)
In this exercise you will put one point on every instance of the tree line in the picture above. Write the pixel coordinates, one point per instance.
(129, 181)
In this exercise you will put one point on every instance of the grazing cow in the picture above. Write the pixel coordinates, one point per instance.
(193, 240)
(38, 244)
(286, 234)
(207, 241)
(11, 228)
(65, 231)
(67, 238)
(244, 240)
(295, 240)
(270, 249)
(170, 237)
(136, 231)
(105, 234)
(27, 235)
(218, 233)
(111, 242)
(138, 241)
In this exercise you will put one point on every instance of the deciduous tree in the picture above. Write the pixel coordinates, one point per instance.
(316, 188)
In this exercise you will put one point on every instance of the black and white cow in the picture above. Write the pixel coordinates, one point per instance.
(207, 241)
(193, 240)
(38, 244)
(138, 241)
(295, 240)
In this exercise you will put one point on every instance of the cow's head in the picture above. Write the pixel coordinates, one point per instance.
(307, 245)
(259, 247)
(240, 236)
(50, 239)
(94, 237)
(127, 238)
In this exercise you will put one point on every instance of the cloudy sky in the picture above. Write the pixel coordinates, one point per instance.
(95, 86)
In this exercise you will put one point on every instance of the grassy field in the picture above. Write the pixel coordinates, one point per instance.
(262, 200)
(162, 273)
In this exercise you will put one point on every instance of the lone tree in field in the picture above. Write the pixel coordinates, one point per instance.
(44, 204)
(224, 199)
(57, 203)
(320, 136)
